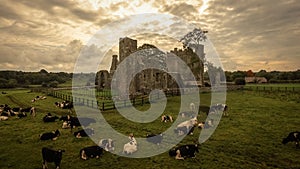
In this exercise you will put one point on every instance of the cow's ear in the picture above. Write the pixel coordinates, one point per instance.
(61, 151)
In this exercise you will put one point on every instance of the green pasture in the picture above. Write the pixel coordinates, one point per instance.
(250, 137)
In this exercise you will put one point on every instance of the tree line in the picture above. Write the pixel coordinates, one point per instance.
(12, 79)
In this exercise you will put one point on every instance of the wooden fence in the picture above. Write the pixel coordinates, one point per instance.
(86, 99)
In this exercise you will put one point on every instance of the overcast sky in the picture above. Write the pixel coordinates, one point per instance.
(49, 34)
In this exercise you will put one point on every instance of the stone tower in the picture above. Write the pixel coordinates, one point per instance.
(114, 64)
(127, 46)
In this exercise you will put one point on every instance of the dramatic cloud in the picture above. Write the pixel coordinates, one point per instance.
(49, 34)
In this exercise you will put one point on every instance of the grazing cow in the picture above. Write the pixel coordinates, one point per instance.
(50, 135)
(186, 127)
(91, 152)
(3, 118)
(51, 156)
(185, 151)
(153, 138)
(84, 133)
(131, 146)
(166, 118)
(107, 144)
(292, 137)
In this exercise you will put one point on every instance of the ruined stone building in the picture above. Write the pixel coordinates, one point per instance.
(149, 79)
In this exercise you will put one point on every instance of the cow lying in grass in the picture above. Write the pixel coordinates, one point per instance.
(292, 137)
(219, 108)
(185, 151)
(154, 138)
(91, 152)
(131, 146)
(186, 127)
(51, 156)
(50, 135)
(107, 144)
(84, 133)
(49, 118)
(166, 118)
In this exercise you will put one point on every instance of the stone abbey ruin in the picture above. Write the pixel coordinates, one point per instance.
(150, 79)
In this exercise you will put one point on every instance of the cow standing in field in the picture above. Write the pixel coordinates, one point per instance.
(185, 151)
(51, 156)
(292, 137)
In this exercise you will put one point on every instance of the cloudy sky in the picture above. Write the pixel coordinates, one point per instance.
(49, 34)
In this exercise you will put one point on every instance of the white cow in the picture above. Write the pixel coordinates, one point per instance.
(186, 126)
(2, 118)
(131, 146)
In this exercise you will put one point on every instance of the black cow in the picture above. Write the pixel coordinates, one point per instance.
(292, 137)
(153, 138)
(50, 135)
(185, 151)
(91, 152)
(49, 118)
(84, 133)
(21, 115)
(51, 156)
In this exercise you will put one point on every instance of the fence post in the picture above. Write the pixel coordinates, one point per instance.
(103, 106)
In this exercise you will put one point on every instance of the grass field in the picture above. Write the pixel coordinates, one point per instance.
(250, 137)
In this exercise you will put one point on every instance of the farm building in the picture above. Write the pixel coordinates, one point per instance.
(256, 80)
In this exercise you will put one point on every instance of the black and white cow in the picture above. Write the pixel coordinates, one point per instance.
(51, 156)
(154, 138)
(107, 144)
(84, 133)
(64, 104)
(186, 127)
(184, 151)
(292, 137)
(166, 118)
(131, 146)
(219, 108)
(50, 135)
(49, 118)
(22, 114)
(91, 152)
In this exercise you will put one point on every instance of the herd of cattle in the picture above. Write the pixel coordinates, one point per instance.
(70, 122)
